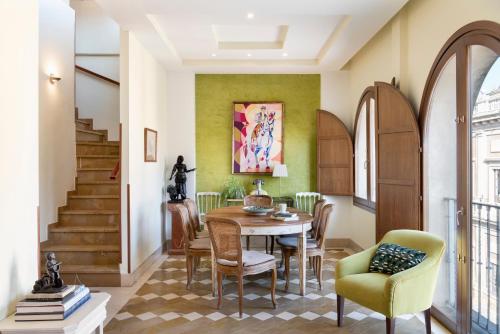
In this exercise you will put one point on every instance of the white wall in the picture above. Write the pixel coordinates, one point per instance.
(18, 149)
(57, 109)
(348, 221)
(96, 33)
(181, 128)
(147, 106)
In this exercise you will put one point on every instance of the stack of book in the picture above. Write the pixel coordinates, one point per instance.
(285, 216)
(52, 306)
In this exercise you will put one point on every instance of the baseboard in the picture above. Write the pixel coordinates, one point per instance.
(130, 279)
(343, 243)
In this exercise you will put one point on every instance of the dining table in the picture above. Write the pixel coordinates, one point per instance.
(265, 225)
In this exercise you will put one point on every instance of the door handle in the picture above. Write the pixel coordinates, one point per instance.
(460, 212)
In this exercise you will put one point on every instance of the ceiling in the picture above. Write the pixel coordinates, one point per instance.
(253, 36)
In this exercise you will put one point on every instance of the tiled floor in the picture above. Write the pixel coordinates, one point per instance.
(163, 305)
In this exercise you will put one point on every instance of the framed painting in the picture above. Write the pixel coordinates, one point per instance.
(150, 143)
(257, 137)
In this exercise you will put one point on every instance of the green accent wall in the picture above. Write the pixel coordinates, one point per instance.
(215, 94)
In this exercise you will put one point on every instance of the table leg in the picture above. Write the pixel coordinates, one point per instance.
(302, 243)
(214, 272)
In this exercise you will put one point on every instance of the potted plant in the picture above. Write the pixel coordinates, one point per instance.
(233, 189)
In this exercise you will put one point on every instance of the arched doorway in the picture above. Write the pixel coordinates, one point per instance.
(460, 124)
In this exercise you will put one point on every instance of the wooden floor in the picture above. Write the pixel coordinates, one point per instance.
(163, 305)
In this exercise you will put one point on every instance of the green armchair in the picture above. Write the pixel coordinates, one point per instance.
(407, 292)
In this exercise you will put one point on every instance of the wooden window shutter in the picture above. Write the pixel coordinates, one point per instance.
(334, 156)
(398, 162)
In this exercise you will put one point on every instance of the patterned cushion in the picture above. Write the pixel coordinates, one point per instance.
(392, 259)
(250, 258)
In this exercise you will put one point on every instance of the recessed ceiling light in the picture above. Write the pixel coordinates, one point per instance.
(249, 54)
(285, 54)
(250, 16)
(214, 55)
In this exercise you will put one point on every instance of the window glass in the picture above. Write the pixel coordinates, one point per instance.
(360, 156)
(373, 162)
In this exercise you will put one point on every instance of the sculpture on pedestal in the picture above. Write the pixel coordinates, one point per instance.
(178, 193)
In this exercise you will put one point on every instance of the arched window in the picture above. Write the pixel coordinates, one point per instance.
(364, 152)
(460, 127)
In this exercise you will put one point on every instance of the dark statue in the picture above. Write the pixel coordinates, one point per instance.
(178, 193)
(51, 281)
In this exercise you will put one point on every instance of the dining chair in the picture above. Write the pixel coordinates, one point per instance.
(193, 248)
(257, 200)
(232, 260)
(206, 202)
(316, 215)
(304, 201)
(315, 248)
(406, 292)
(194, 219)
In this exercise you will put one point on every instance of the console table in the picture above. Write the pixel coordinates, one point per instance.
(89, 318)
(176, 246)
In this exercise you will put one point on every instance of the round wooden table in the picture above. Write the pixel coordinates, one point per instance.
(265, 225)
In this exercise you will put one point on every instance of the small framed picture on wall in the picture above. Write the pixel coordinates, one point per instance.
(258, 142)
(150, 145)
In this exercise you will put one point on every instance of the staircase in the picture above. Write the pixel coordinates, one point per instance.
(86, 238)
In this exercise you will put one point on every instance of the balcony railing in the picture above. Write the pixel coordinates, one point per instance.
(485, 259)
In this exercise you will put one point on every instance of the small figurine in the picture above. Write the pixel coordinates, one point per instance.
(180, 170)
(259, 191)
(50, 281)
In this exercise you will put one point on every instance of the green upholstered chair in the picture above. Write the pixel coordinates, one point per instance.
(406, 292)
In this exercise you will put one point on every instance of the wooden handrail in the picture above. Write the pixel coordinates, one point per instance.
(97, 75)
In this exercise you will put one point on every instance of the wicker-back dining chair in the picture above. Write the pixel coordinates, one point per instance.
(257, 200)
(225, 236)
(193, 248)
(194, 219)
(315, 248)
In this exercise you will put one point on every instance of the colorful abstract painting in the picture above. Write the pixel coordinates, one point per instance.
(257, 137)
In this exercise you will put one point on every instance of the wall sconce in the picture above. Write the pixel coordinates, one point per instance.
(53, 79)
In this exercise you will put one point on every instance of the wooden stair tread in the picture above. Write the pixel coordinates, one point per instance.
(93, 143)
(96, 169)
(99, 156)
(95, 196)
(89, 212)
(105, 182)
(82, 229)
(82, 121)
(91, 269)
(78, 248)
(90, 132)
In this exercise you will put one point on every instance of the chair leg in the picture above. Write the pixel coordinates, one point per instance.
(390, 324)
(273, 288)
(320, 271)
(248, 242)
(287, 268)
(219, 289)
(340, 310)
(272, 244)
(266, 244)
(427, 314)
(189, 270)
(240, 294)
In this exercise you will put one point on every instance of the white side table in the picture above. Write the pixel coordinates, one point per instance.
(89, 318)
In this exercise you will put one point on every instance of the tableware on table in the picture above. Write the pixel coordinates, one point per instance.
(282, 207)
(257, 210)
